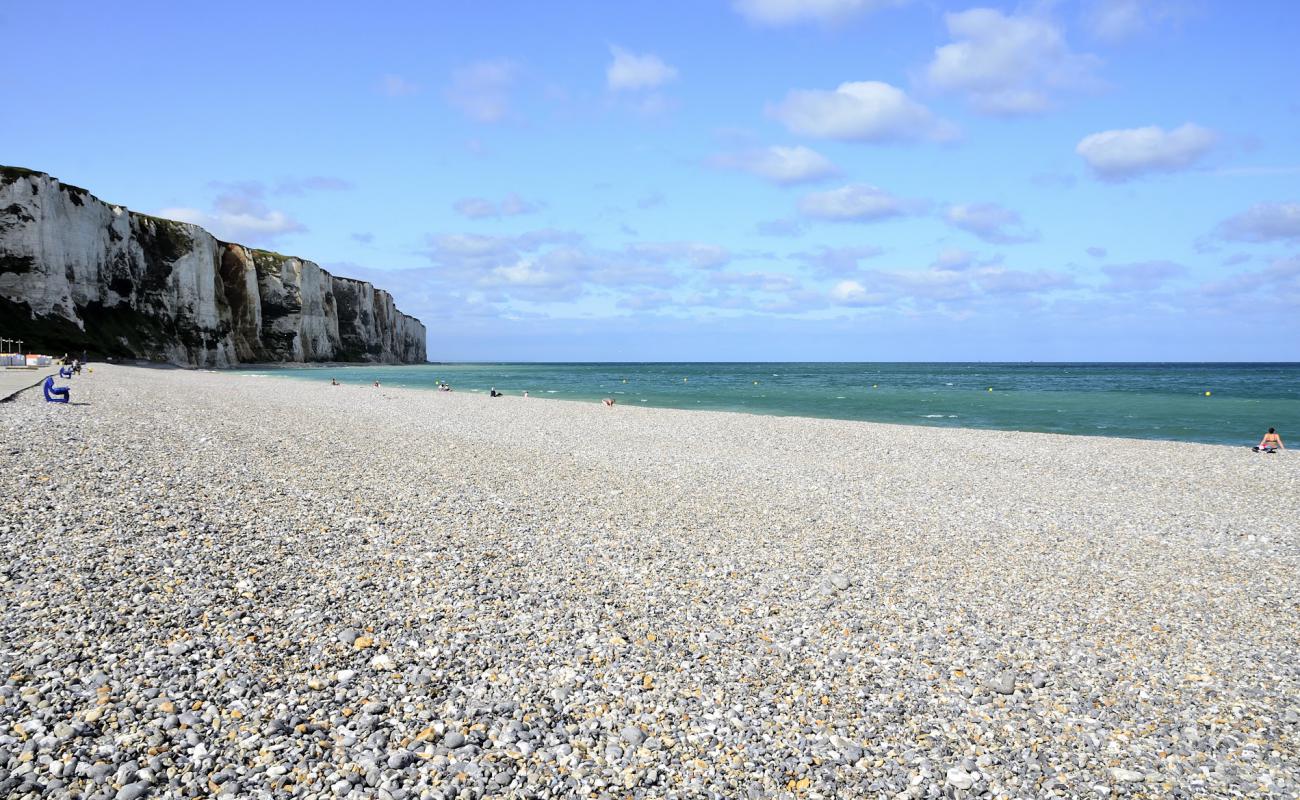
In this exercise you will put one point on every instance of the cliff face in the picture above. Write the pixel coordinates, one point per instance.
(80, 274)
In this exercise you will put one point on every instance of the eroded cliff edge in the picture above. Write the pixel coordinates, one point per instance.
(78, 274)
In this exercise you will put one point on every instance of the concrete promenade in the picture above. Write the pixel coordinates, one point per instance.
(15, 379)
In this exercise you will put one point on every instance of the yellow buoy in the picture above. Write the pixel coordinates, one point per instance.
(990, 388)
(1207, 394)
(625, 380)
(684, 380)
(755, 383)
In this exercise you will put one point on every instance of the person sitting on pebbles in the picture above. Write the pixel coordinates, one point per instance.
(1271, 443)
(609, 402)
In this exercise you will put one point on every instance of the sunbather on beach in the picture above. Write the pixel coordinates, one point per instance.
(1271, 443)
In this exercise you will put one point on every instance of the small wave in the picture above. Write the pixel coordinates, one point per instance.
(840, 397)
(947, 384)
(934, 416)
(552, 391)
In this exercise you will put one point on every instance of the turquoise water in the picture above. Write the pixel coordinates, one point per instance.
(1143, 401)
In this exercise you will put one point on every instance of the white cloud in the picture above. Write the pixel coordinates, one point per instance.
(867, 111)
(632, 72)
(481, 208)
(239, 214)
(1007, 64)
(1123, 154)
(855, 202)
(990, 222)
(481, 90)
(853, 293)
(783, 165)
(238, 226)
(1264, 222)
(786, 12)
(397, 86)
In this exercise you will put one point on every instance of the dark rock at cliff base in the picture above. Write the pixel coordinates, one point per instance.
(78, 274)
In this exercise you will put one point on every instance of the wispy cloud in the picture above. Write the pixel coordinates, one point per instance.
(786, 166)
(396, 86)
(990, 222)
(788, 12)
(1263, 222)
(481, 90)
(512, 205)
(628, 71)
(857, 202)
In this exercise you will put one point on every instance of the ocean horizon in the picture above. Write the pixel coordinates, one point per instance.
(1229, 403)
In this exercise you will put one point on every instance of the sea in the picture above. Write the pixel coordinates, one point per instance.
(1227, 403)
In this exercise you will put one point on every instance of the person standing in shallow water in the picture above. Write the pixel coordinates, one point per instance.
(1271, 443)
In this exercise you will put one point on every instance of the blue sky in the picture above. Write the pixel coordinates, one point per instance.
(730, 180)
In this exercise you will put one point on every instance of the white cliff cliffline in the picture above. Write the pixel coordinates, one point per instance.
(78, 274)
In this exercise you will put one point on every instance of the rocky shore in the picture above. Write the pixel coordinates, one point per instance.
(222, 584)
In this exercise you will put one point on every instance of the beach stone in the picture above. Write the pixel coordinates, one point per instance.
(959, 778)
(633, 735)
(132, 791)
(1003, 682)
(453, 740)
(1126, 775)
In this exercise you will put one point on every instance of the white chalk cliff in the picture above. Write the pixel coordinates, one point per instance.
(78, 274)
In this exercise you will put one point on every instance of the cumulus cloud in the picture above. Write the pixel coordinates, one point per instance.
(1120, 155)
(481, 90)
(787, 12)
(481, 208)
(990, 222)
(630, 71)
(1096, 252)
(857, 202)
(1007, 64)
(1264, 222)
(865, 111)
(239, 213)
(853, 293)
(555, 266)
(782, 165)
(1143, 276)
(943, 285)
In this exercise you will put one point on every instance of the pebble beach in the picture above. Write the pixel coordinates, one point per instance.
(221, 584)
